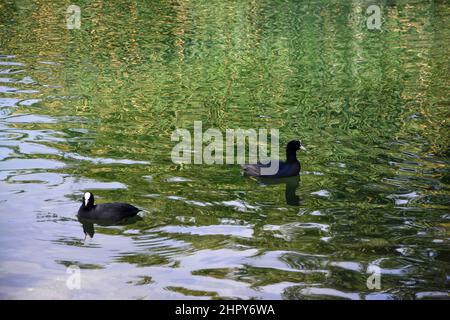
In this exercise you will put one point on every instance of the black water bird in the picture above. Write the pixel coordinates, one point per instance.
(289, 168)
(113, 212)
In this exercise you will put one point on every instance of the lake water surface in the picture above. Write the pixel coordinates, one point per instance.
(94, 108)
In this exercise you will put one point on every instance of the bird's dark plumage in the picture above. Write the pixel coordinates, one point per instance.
(289, 168)
(115, 211)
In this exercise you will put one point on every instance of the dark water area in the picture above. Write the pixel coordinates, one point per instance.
(94, 109)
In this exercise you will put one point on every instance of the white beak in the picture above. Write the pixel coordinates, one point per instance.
(303, 148)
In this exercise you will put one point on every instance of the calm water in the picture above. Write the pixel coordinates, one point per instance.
(94, 108)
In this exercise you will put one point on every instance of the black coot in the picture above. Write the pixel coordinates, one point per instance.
(106, 211)
(289, 168)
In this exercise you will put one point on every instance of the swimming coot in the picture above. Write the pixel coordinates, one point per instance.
(106, 211)
(289, 168)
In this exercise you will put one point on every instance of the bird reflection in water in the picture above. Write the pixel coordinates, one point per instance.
(89, 225)
(292, 183)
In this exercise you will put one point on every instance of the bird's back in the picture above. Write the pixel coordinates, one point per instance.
(109, 211)
(285, 169)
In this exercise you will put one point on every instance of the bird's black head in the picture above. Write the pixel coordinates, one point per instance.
(88, 200)
(295, 145)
